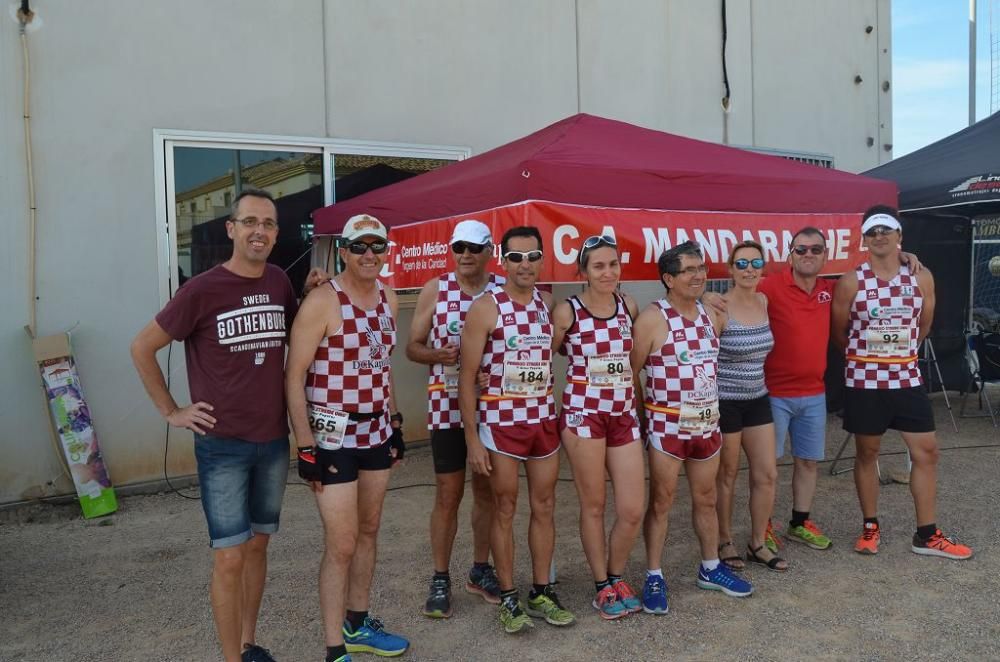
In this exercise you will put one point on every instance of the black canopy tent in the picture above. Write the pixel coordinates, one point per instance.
(946, 192)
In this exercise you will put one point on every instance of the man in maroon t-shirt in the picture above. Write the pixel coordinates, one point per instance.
(233, 320)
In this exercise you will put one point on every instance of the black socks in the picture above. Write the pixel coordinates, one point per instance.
(334, 652)
(926, 531)
(798, 518)
(356, 619)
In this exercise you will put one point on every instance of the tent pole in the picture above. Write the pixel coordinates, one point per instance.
(972, 275)
(972, 62)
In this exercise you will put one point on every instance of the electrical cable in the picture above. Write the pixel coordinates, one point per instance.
(725, 70)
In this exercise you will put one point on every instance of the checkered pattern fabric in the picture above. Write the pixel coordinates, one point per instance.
(686, 363)
(591, 336)
(516, 322)
(446, 326)
(894, 304)
(351, 369)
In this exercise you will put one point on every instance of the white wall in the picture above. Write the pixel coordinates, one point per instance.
(450, 72)
(104, 75)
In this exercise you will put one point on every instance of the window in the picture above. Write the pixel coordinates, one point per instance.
(199, 174)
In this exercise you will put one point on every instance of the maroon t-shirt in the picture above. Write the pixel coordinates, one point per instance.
(234, 331)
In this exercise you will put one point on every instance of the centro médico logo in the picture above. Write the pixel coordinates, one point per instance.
(696, 355)
(455, 327)
(538, 341)
(890, 311)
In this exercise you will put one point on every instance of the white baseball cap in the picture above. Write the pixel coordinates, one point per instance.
(363, 225)
(876, 220)
(472, 231)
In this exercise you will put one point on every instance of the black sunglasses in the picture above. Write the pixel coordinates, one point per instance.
(360, 247)
(460, 247)
(743, 263)
(879, 230)
(517, 256)
(815, 250)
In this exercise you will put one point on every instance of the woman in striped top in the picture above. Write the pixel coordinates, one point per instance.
(745, 411)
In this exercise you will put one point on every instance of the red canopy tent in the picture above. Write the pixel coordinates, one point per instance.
(589, 175)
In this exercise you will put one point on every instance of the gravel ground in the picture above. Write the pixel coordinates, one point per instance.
(133, 586)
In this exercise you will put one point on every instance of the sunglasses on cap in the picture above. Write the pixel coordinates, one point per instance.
(360, 247)
(814, 249)
(460, 247)
(879, 230)
(518, 256)
(743, 263)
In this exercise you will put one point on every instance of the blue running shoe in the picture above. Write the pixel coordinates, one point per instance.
(371, 637)
(654, 595)
(723, 579)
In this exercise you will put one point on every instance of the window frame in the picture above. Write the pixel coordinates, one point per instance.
(165, 140)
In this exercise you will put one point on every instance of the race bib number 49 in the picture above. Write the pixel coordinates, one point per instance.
(327, 425)
(609, 371)
(526, 379)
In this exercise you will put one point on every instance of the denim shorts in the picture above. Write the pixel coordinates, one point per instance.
(804, 420)
(242, 484)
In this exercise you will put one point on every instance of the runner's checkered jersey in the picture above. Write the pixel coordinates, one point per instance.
(446, 326)
(590, 337)
(884, 327)
(351, 370)
(514, 322)
(686, 363)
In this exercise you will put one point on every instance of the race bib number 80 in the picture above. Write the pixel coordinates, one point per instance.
(609, 371)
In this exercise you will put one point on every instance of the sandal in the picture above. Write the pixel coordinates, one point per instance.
(772, 563)
(733, 562)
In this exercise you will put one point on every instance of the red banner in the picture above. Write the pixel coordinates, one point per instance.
(420, 251)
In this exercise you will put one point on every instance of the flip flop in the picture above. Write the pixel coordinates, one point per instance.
(733, 562)
(771, 564)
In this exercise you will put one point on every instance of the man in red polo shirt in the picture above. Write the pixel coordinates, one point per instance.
(798, 306)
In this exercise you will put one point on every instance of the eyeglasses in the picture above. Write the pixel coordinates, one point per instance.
(253, 223)
(879, 230)
(360, 247)
(743, 263)
(460, 247)
(815, 249)
(518, 256)
(693, 271)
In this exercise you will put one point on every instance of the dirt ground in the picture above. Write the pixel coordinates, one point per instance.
(133, 586)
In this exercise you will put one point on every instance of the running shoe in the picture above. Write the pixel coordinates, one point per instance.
(512, 616)
(344, 658)
(725, 580)
(546, 605)
(371, 637)
(438, 603)
(868, 542)
(654, 595)
(627, 596)
(608, 605)
(255, 653)
(771, 538)
(940, 545)
(484, 583)
(808, 534)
